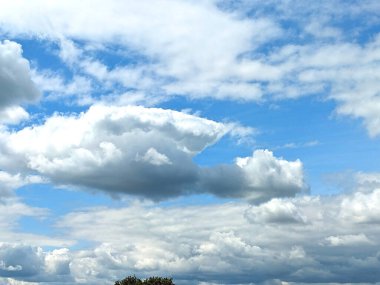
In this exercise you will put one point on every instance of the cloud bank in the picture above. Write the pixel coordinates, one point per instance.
(146, 152)
(305, 240)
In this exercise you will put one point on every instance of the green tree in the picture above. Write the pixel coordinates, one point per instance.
(133, 280)
(158, 281)
(130, 280)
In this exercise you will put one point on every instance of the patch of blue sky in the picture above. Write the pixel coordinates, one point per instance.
(37, 225)
(61, 200)
(78, 244)
(115, 55)
(42, 54)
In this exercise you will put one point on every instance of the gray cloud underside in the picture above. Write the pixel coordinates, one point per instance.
(305, 240)
(16, 85)
(15, 76)
(146, 152)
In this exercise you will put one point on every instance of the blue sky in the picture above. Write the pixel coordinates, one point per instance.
(216, 142)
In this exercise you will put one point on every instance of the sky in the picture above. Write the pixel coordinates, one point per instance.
(211, 141)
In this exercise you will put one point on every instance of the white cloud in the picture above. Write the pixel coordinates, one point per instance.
(98, 148)
(13, 115)
(362, 207)
(154, 157)
(347, 73)
(348, 240)
(209, 51)
(10, 182)
(58, 262)
(194, 54)
(56, 87)
(284, 240)
(16, 86)
(146, 152)
(289, 240)
(275, 211)
(264, 171)
(257, 178)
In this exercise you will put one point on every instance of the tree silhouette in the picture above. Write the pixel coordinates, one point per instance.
(133, 280)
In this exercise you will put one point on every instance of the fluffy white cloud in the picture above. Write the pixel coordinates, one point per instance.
(301, 240)
(196, 54)
(275, 211)
(146, 152)
(264, 171)
(257, 178)
(362, 207)
(13, 115)
(16, 86)
(111, 148)
(214, 49)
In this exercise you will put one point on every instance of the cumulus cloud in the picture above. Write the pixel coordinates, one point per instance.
(13, 115)
(283, 240)
(19, 260)
(252, 177)
(16, 86)
(362, 207)
(117, 149)
(146, 152)
(30, 263)
(301, 240)
(275, 211)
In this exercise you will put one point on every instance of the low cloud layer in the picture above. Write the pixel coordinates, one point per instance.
(303, 240)
(146, 152)
(294, 240)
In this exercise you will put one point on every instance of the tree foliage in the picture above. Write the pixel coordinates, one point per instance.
(133, 280)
